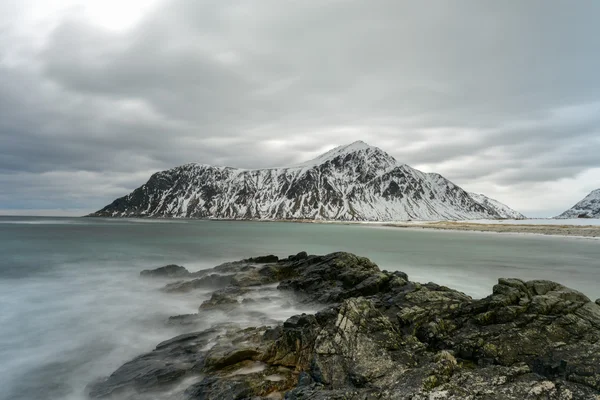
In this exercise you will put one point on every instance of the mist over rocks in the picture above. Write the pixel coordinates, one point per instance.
(168, 271)
(377, 335)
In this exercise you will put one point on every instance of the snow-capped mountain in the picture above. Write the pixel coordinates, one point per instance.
(500, 208)
(356, 182)
(589, 207)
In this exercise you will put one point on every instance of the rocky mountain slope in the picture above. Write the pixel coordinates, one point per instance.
(500, 208)
(589, 207)
(377, 336)
(356, 182)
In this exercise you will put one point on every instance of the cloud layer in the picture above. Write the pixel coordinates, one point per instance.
(502, 98)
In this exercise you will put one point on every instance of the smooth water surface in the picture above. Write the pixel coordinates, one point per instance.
(73, 309)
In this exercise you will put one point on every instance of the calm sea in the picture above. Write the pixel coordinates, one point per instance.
(73, 309)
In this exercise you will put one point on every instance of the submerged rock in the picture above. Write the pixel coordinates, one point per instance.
(168, 271)
(379, 336)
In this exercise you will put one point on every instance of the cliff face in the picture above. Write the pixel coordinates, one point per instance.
(356, 182)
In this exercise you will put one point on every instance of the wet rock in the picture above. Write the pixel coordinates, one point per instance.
(224, 298)
(299, 257)
(380, 336)
(335, 277)
(213, 281)
(168, 271)
(185, 320)
(165, 366)
(598, 301)
(264, 259)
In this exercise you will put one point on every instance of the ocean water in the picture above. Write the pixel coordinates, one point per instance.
(73, 308)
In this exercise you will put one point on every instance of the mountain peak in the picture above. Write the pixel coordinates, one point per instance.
(354, 146)
(589, 207)
(355, 182)
(358, 147)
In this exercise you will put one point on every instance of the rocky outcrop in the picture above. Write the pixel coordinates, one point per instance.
(377, 336)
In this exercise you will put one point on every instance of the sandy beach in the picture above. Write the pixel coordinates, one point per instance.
(591, 231)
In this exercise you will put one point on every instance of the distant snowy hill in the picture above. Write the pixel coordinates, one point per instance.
(500, 208)
(589, 207)
(356, 182)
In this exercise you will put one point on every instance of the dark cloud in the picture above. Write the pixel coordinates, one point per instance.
(499, 97)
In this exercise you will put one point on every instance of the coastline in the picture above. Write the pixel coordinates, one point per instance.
(576, 231)
(366, 333)
(491, 226)
(494, 226)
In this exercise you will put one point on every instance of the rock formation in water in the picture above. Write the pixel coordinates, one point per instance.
(356, 182)
(589, 207)
(377, 336)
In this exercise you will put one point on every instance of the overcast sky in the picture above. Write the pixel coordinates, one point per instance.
(502, 98)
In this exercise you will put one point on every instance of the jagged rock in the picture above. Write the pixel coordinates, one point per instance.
(380, 336)
(168, 271)
(598, 301)
(264, 259)
(185, 319)
(163, 367)
(298, 257)
(224, 298)
(338, 276)
(213, 281)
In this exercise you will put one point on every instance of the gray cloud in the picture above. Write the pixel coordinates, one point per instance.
(498, 97)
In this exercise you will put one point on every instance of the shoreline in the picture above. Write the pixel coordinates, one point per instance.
(573, 231)
(558, 230)
(493, 226)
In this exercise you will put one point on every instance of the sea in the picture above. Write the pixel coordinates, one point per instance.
(73, 307)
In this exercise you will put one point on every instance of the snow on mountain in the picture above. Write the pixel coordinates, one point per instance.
(356, 182)
(589, 207)
(501, 209)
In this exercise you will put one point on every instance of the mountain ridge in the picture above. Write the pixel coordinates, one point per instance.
(354, 182)
(588, 207)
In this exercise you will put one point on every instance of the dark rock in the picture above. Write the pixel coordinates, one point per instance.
(224, 298)
(185, 319)
(598, 301)
(299, 257)
(165, 366)
(214, 388)
(264, 259)
(213, 281)
(379, 336)
(168, 271)
(336, 277)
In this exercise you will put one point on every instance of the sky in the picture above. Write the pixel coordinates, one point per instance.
(502, 98)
